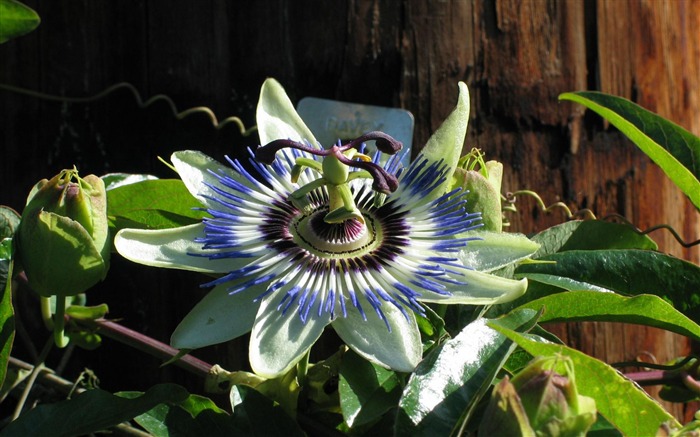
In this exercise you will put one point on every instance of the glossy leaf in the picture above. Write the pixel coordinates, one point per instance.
(645, 309)
(91, 411)
(116, 180)
(16, 20)
(152, 204)
(618, 399)
(367, 391)
(590, 235)
(448, 383)
(671, 147)
(628, 272)
(7, 313)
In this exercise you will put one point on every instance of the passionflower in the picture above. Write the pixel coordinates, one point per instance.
(311, 237)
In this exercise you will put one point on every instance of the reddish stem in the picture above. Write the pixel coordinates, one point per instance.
(146, 344)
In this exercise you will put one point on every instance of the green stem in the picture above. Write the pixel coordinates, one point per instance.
(60, 323)
(303, 368)
(46, 312)
(32, 379)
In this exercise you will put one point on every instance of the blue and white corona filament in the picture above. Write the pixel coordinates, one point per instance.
(315, 237)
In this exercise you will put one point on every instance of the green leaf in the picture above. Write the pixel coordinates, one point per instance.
(90, 411)
(256, 415)
(618, 399)
(196, 416)
(590, 235)
(152, 204)
(671, 147)
(16, 20)
(628, 272)
(7, 313)
(9, 220)
(367, 391)
(645, 310)
(449, 382)
(116, 180)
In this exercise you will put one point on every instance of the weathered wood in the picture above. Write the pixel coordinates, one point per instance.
(516, 56)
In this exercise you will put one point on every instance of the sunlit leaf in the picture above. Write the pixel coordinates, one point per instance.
(366, 390)
(645, 309)
(116, 180)
(629, 272)
(450, 381)
(618, 399)
(671, 147)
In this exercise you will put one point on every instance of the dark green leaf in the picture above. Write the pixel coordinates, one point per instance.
(628, 272)
(644, 309)
(90, 411)
(590, 235)
(256, 415)
(449, 382)
(16, 20)
(7, 313)
(152, 204)
(619, 400)
(603, 428)
(671, 147)
(598, 234)
(195, 416)
(9, 220)
(366, 391)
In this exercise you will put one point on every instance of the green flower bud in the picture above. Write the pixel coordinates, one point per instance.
(63, 237)
(484, 187)
(505, 414)
(547, 394)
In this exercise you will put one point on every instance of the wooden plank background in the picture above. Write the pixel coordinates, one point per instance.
(516, 56)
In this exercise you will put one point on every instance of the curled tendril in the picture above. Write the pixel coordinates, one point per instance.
(654, 228)
(511, 197)
(140, 102)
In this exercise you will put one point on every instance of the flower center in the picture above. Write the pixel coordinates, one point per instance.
(334, 240)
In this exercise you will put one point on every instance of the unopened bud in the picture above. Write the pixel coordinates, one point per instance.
(63, 237)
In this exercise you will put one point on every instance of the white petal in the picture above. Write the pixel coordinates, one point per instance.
(195, 169)
(447, 141)
(170, 247)
(277, 118)
(480, 289)
(495, 250)
(278, 341)
(399, 349)
(217, 318)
